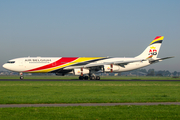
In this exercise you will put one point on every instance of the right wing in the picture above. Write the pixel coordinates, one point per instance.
(120, 63)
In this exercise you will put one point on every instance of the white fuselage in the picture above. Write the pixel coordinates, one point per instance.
(49, 64)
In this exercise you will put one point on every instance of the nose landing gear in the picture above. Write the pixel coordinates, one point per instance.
(21, 76)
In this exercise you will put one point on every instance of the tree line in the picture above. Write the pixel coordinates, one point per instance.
(152, 72)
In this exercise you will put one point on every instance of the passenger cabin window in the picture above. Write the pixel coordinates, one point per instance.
(11, 62)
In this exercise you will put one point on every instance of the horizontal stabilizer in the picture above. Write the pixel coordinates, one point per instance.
(159, 59)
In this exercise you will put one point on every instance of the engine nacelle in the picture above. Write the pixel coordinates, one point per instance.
(80, 71)
(111, 68)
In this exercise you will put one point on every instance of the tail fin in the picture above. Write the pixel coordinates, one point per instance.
(153, 49)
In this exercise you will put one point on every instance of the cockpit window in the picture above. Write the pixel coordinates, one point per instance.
(11, 62)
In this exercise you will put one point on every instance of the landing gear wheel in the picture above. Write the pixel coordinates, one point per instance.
(97, 78)
(81, 77)
(21, 77)
(92, 78)
(86, 77)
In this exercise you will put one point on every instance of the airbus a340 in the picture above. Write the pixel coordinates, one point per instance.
(86, 67)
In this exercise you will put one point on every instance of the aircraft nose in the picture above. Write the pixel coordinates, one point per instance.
(4, 66)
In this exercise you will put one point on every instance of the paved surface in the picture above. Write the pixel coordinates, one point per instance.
(80, 80)
(86, 104)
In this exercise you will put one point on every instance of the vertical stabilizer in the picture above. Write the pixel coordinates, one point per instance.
(153, 49)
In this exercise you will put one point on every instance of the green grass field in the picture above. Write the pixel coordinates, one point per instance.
(169, 112)
(18, 92)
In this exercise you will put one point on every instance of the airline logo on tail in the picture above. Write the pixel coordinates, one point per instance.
(153, 48)
(152, 51)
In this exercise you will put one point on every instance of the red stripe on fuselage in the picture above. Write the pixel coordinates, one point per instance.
(59, 62)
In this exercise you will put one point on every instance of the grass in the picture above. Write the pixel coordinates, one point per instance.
(102, 77)
(92, 112)
(17, 92)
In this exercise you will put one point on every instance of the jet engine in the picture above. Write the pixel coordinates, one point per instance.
(80, 71)
(111, 68)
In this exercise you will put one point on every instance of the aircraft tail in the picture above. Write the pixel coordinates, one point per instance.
(153, 49)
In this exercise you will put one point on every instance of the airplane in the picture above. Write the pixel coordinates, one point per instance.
(86, 67)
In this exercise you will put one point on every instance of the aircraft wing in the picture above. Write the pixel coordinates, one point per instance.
(120, 63)
(159, 59)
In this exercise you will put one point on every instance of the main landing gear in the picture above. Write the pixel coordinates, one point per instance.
(91, 77)
(21, 76)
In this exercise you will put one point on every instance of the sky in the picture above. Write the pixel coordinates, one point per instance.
(89, 28)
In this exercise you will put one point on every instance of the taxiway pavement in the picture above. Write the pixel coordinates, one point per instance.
(81, 80)
(86, 104)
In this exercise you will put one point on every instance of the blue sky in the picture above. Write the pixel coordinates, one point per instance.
(114, 28)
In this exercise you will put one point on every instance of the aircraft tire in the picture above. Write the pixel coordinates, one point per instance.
(21, 77)
(86, 77)
(81, 77)
(97, 78)
(92, 78)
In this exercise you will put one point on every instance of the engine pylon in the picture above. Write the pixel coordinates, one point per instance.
(81, 71)
(111, 68)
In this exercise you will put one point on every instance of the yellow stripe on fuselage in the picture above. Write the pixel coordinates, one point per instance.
(79, 60)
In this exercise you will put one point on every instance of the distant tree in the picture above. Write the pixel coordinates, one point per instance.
(160, 73)
(178, 73)
(174, 73)
(143, 70)
(167, 73)
(151, 72)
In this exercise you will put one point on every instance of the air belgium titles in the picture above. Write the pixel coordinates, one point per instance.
(37, 60)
